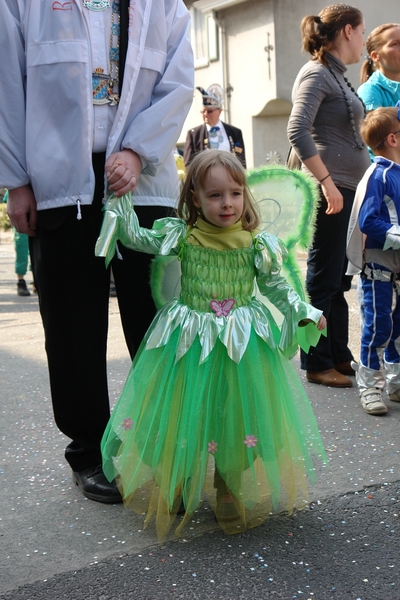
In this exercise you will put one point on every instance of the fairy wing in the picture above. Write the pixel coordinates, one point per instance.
(287, 201)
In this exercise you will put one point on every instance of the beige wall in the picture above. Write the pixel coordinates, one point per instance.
(261, 98)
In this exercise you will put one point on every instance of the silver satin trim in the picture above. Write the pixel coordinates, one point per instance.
(392, 374)
(368, 378)
(387, 378)
(233, 331)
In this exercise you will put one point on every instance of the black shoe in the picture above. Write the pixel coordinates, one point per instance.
(22, 289)
(95, 485)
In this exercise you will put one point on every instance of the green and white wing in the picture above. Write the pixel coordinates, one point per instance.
(287, 201)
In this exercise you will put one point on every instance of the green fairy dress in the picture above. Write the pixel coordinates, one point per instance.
(212, 408)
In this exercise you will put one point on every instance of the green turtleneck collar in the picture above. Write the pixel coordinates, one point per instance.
(219, 238)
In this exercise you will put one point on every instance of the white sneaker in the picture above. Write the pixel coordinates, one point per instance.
(395, 396)
(372, 403)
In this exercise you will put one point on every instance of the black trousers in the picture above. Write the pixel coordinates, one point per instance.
(326, 284)
(73, 288)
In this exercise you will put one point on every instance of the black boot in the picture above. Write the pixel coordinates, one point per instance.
(22, 290)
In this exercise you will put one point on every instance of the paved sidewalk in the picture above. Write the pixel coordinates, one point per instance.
(54, 544)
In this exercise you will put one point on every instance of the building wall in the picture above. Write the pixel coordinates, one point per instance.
(260, 100)
(251, 76)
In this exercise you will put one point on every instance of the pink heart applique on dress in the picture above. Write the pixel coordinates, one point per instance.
(222, 309)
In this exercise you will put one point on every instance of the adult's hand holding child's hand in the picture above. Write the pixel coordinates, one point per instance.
(122, 171)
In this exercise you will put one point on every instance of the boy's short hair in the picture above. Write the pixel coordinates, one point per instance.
(377, 125)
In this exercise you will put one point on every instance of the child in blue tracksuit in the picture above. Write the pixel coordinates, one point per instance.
(373, 247)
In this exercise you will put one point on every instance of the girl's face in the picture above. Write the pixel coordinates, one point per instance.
(387, 58)
(221, 199)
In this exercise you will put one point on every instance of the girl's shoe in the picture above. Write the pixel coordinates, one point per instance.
(226, 510)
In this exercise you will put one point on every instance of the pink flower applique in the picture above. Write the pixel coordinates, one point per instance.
(213, 447)
(127, 424)
(222, 308)
(250, 441)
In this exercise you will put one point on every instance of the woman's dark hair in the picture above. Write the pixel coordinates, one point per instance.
(319, 33)
(374, 43)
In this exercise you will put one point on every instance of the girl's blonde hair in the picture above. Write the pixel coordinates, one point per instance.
(195, 177)
(319, 33)
(374, 43)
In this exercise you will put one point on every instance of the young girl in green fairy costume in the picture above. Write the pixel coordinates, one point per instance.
(212, 407)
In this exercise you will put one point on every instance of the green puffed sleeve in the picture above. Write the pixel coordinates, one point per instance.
(270, 253)
(120, 223)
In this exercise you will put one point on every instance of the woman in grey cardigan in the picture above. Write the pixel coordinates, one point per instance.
(324, 131)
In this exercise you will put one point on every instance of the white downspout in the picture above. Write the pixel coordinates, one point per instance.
(224, 61)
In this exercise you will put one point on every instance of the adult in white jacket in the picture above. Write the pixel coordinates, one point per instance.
(64, 147)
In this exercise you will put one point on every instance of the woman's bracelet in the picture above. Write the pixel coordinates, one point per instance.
(326, 177)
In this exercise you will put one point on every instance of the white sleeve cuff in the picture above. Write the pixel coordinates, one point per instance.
(392, 238)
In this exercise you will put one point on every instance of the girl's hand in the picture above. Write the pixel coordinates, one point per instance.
(333, 197)
(320, 325)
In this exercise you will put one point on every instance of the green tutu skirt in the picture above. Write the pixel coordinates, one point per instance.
(240, 436)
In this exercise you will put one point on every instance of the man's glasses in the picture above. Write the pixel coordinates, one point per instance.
(208, 111)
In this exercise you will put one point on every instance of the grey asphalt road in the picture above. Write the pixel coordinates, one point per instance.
(54, 544)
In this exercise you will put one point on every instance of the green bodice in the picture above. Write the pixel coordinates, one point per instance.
(219, 275)
(216, 275)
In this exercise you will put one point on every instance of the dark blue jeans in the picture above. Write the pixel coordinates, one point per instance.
(326, 283)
